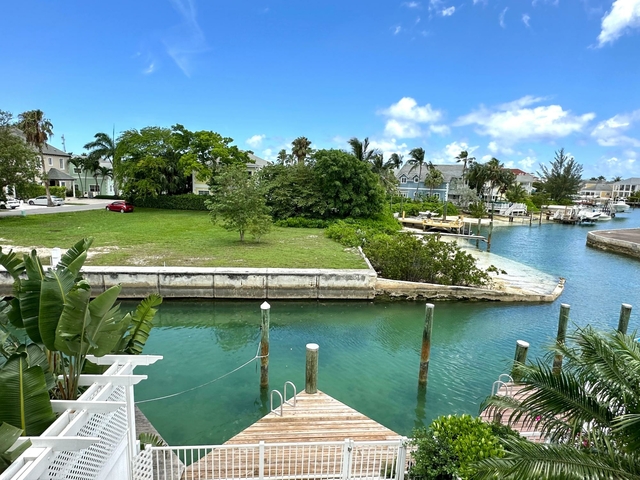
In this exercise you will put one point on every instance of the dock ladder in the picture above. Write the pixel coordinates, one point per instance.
(283, 399)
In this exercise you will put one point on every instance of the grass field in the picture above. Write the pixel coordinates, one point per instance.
(152, 237)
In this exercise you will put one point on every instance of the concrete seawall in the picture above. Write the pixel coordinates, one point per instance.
(625, 241)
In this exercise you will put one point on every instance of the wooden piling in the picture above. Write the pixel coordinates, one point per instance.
(625, 314)
(490, 234)
(425, 353)
(311, 383)
(264, 345)
(479, 230)
(562, 334)
(520, 358)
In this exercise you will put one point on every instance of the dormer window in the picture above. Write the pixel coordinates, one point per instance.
(403, 179)
(416, 179)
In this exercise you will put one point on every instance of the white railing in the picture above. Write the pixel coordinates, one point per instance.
(94, 437)
(283, 461)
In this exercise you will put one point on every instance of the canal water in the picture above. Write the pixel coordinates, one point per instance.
(369, 351)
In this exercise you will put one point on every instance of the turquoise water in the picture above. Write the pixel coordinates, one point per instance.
(369, 351)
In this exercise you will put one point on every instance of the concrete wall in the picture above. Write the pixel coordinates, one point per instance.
(617, 245)
(241, 283)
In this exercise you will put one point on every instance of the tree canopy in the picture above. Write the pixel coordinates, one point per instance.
(562, 178)
(37, 130)
(19, 163)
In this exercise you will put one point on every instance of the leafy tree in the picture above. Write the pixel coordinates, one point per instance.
(18, 162)
(395, 161)
(104, 147)
(516, 193)
(477, 177)
(588, 411)
(300, 149)
(37, 130)
(360, 150)
(492, 173)
(433, 179)
(149, 164)
(466, 161)
(238, 202)
(349, 187)
(563, 178)
(417, 160)
(291, 191)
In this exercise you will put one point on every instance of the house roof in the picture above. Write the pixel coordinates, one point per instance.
(55, 174)
(51, 150)
(259, 162)
(629, 181)
(448, 171)
(517, 171)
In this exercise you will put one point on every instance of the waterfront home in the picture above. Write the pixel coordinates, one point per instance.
(411, 181)
(525, 179)
(595, 190)
(626, 188)
(201, 188)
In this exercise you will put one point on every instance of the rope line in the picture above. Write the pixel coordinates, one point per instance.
(256, 356)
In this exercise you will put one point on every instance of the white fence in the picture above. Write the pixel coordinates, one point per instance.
(281, 461)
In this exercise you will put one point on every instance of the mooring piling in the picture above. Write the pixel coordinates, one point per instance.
(479, 230)
(490, 233)
(562, 334)
(520, 358)
(625, 314)
(264, 345)
(425, 353)
(311, 383)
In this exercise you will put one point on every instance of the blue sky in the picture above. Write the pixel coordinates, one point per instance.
(512, 79)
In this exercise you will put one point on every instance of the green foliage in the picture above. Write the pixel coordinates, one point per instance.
(187, 201)
(19, 164)
(141, 324)
(349, 187)
(562, 178)
(151, 439)
(478, 209)
(60, 192)
(516, 193)
(9, 451)
(404, 257)
(412, 208)
(531, 207)
(352, 232)
(434, 458)
(301, 222)
(238, 203)
(291, 191)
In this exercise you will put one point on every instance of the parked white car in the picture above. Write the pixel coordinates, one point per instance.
(42, 200)
(11, 203)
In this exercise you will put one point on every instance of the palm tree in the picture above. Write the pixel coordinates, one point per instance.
(516, 193)
(37, 130)
(433, 178)
(104, 172)
(588, 411)
(78, 163)
(616, 179)
(466, 160)
(361, 151)
(416, 160)
(300, 149)
(498, 177)
(283, 157)
(395, 161)
(104, 147)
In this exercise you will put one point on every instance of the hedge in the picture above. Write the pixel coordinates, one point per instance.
(189, 201)
(32, 190)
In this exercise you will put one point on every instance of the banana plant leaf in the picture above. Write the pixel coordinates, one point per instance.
(9, 451)
(53, 292)
(70, 331)
(24, 397)
(13, 264)
(29, 296)
(107, 324)
(15, 315)
(74, 258)
(141, 324)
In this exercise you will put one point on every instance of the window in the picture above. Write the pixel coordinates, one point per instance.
(50, 161)
(94, 188)
(404, 194)
(77, 170)
(403, 179)
(62, 163)
(203, 192)
(63, 184)
(416, 179)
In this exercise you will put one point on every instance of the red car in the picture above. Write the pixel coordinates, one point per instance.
(120, 206)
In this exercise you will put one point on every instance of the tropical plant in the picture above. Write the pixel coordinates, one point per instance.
(433, 178)
(563, 178)
(360, 150)
(417, 160)
(588, 411)
(300, 149)
(19, 164)
(283, 157)
(104, 147)
(395, 161)
(104, 173)
(466, 161)
(37, 130)
(9, 449)
(516, 193)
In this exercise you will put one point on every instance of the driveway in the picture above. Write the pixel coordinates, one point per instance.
(71, 205)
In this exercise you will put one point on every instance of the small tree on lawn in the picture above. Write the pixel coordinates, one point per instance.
(238, 204)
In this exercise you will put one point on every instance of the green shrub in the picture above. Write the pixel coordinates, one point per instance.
(405, 257)
(29, 190)
(531, 207)
(60, 192)
(451, 446)
(353, 232)
(189, 201)
(108, 197)
(412, 209)
(301, 222)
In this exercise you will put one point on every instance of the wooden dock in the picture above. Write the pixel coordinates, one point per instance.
(315, 418)
(526, 426)
(431, 224)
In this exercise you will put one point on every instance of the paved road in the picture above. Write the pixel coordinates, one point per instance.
(74, 205)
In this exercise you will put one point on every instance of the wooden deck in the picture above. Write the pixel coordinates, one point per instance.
(315, 418)
(526, 426)
(427, 224)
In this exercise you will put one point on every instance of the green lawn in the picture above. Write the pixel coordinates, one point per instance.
(174, 238)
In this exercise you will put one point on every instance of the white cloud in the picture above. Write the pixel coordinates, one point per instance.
(397, 29)
(624, 16)
(447, 12)
(150, 69)
(411, 4)
(440, 129)
(185, 40)
(516, 121)
(525, 19)
(405, 117)
(496, 149)
(268, 154)
(486, 158)
(527, 162)
(255, 141)
(389, 146)
(502, 14)
(610, 133)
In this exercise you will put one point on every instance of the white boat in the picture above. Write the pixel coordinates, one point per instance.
(620, 206)
(588, 215)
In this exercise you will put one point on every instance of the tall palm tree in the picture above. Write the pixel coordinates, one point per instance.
(283, 157)
(78, 163)
(361, 150)
(300, 149)
(104, 173)
(37, 130)
(104, 147)
(385, 175)
(395, 161)
(417, 160)
(589, 411)
(466, 160)
(433, 178)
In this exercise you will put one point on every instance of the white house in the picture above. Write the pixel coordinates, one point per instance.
(626, 188)
(201, 188)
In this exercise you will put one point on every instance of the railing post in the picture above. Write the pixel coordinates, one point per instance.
(402, 459)
(261, 460)
(347, 451)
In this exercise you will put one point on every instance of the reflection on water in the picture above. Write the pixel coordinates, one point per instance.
(370, 352)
